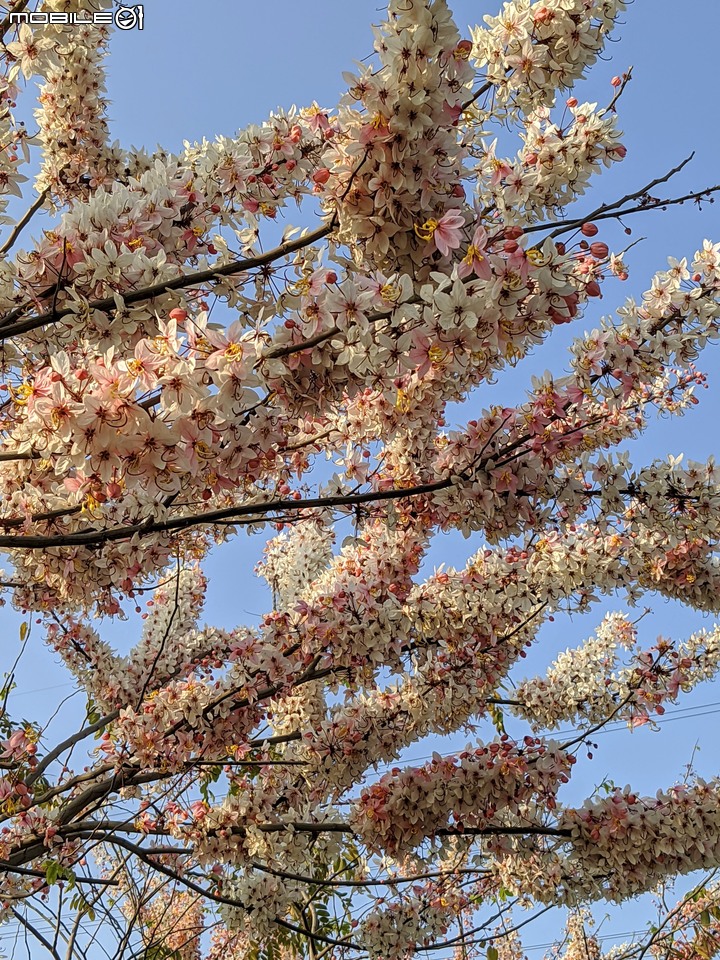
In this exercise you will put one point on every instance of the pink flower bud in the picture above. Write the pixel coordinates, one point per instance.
(599, 249)
(616, 81)
(588, 229)
(321, 176)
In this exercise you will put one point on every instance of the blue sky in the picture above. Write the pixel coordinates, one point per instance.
(206, 68)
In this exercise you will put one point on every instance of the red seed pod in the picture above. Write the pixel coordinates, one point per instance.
(599, 249)
(588, 229)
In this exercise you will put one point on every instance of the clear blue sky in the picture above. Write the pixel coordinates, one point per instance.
(206, 68)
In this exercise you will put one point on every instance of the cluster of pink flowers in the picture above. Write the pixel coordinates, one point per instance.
(555, 164)
(472, 790)
(531, 51)
(584, 686)
(625, 844)
(398, 119)
(174, 922)
(407, 925)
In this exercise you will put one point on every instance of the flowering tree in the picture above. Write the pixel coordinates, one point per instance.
(220, 798)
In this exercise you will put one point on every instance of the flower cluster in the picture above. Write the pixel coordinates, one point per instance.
(627, 843)
(405, 807)
(530, 51)
(396, 170)
(405, 926)
(554, 166)
(173, 922)
(261, 899)
(294, 559)
(584, 687)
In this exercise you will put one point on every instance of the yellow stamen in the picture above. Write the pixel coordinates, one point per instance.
(426, 231)
(402, 403)
(22, 394)
(204, 451)
(473, 254)
(436, 354)
(512, 281)
(390, 292)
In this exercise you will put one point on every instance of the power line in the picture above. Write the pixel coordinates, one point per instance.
(681, 713)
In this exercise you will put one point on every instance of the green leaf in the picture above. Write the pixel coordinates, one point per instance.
(492, 953)
(93, 715)
(496, 715)
(52, 871)
(23, 631)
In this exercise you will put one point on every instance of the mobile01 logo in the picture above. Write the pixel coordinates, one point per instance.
(124, 18)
